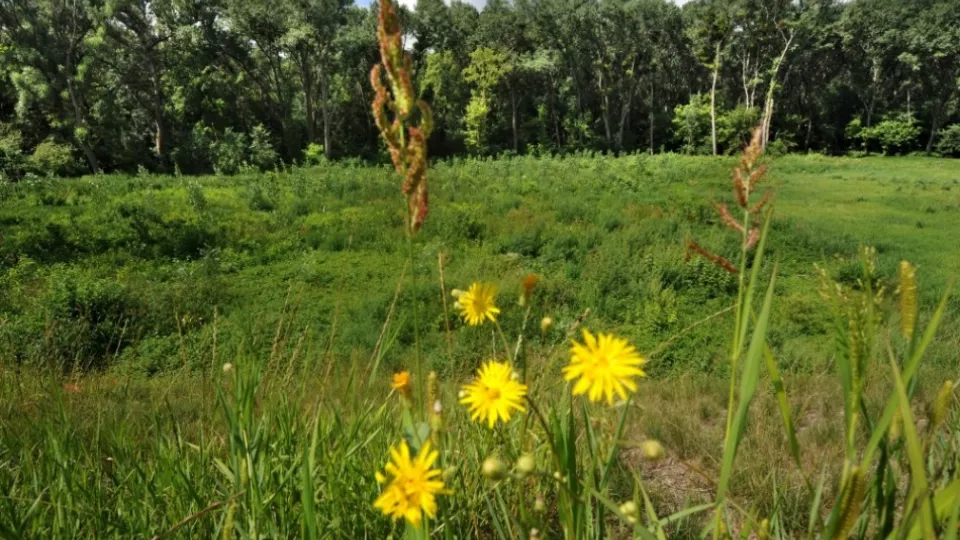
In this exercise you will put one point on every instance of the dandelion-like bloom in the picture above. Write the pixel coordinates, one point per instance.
(411, 485)
(605, 365)
(402, 384)
(477, 304)
(494, 394)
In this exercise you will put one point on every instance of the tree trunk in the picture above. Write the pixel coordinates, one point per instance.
(713, 100)
(746, 80)
(308, 99)
(937, 113)
(875, 78)
(514, 103)
(605, 110)
(768, 105)
(160, 131)
(325, 115)
(765, 123)
(652, 114)
(624, 119)
(78, 119)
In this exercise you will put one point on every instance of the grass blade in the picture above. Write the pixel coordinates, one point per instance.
(918, 470)
(909, 370)
(308, 493)
(748, 388)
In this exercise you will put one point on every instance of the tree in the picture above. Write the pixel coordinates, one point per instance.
(487, 70)
(710, 28)
(51, 64)
(311, 31)
(934, 41)
(872, 32)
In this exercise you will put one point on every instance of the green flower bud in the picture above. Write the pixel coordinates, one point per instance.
(652, 450)
(629, 509)
(525, 465)
(494, 469)
(546, 324)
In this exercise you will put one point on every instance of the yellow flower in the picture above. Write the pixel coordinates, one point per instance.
(402, 384)
(605, 365)
(477, 304)
(411, 484)
(494, 395)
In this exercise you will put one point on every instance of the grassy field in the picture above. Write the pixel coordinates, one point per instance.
(121, 299)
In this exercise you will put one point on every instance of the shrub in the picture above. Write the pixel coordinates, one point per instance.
(949, 144)
(780, 146)
(228, 152)
(262, 153)
(894, 135)
(50, 158)
(11, 153)
(691, 124)
(735, 127)
(314, 154)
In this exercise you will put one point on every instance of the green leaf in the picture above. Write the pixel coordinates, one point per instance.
(784, 405)
(308, 492)
(918, 470)
(909, 370)
(748, 388)
(612, 457)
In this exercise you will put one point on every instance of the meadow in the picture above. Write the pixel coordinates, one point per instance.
(211, 356)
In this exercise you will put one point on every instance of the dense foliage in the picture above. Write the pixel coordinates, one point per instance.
(221, 85)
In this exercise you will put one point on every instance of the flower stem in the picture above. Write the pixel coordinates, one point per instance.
(418, 363)
(503, 339)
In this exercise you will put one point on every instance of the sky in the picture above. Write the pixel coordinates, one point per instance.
(478, 3)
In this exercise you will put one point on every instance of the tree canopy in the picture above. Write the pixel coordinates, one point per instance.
(218, 85)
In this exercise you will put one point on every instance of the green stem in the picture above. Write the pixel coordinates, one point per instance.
(421, 380)
(503, 339)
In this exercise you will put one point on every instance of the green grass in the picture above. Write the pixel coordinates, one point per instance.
(138, 290)
(112, 263)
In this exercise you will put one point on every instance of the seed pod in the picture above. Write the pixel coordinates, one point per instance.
(896, 427)
(941, 405)
(908, 299)
(851, 501)
(432, 388)
(652, 450)
(526, 465)
(494, 469)
(546, 324)
(764, 532)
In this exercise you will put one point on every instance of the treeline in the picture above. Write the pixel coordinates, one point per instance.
(220, 85)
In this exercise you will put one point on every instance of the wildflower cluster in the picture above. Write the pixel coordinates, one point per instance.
(602, 367)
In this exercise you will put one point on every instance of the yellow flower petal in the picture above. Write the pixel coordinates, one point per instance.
(412, 489)
(494, 395)
(603, 366)
(478, 304)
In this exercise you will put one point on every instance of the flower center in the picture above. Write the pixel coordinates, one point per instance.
(601, 362)
(493, 394)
